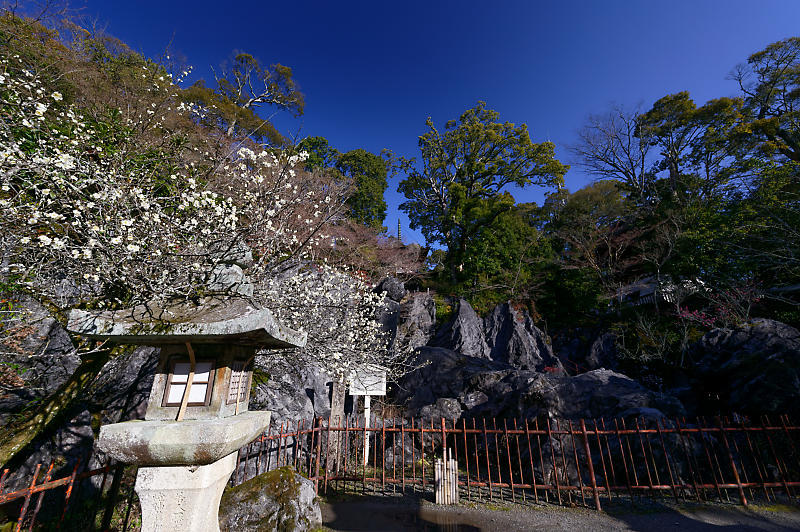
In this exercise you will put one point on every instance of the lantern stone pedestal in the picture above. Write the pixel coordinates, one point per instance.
(197, 416)
(178, 498)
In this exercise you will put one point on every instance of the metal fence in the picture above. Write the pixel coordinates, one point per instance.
(541, 460)
(84, 499)
(548, 460)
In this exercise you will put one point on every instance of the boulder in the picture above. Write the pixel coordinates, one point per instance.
(464, 333)
(290, 393)
(751, 369)
(39, 349)
(393, 287)
(582, 349)
(417, 321)
(122, 388)
(514, 339)
(451, 385)
(278, 500)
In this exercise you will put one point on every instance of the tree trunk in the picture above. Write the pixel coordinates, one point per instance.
(39, 419)
(337, 419)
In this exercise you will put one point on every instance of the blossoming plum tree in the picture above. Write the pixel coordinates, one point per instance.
(113, 207)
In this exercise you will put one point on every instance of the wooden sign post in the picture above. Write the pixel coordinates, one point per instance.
(367, 380)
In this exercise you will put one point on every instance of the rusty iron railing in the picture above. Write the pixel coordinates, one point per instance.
(27, 502)
(540, 460)
(547, 460)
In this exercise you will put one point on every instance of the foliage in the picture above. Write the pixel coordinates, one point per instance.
(460, 188)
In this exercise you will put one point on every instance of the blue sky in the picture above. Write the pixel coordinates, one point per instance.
(373, 71)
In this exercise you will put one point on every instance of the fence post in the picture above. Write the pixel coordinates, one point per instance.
(318, 425)
(116, 482)
(591, 466)
(27, 499)
(733, 464)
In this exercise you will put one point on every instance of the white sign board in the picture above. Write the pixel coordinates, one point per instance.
(369, 379)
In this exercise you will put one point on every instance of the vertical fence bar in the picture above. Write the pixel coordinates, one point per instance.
(466, 455)
(403, 453)
(327, 452)
(608, 452)
(519, 461)
(687, 453)
(116, 481)
(701, 427)
(477, 460)
(624, 461)
(422, 447)
(365, 460)
(488, 467)
(630, 453)
(497, 455)
(733, 463)
(383, 450)
(764, 427)
(666, 458)
(508, 454)
(553, 456)
(530, 457)
(652, 454)
(413, 460)
(41, 496)
(785, 422)
(68, 494)
(741, 457)
(756, 461)
(564, 460)
(644, 457)
(592, 479)
(24, 509)
(318, 423)
(546, 487)
(577, 462)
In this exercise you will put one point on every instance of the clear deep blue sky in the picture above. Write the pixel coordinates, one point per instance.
(373, 71)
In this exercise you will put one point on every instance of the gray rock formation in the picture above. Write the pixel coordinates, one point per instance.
(393, 287)
(586, 349)
(291, 393)
(602, 352)
(454, 386)
(278, 500)
(417, 320)
(464, 333)
(514, 339)
(752, 369)
(39, 348)
(122, 388)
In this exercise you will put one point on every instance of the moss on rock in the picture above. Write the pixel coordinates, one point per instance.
(279, 500)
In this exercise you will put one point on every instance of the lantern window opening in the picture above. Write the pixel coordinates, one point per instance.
(239, 382)
(202, 384)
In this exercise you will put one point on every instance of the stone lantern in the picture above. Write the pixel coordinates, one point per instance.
(197, 416)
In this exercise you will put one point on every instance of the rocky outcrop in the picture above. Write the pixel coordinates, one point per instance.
(452, 386)
(464, 333)
(752, 369)
(38, 348)
(291, 393)
(392, 287)
(417, 320)
(122, 388)
(514, 339)
(278, 500)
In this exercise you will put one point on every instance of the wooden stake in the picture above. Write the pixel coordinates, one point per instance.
(189, 379)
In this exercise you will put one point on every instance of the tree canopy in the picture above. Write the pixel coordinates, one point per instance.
(460, 186)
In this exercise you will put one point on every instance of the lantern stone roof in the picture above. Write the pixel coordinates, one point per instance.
(210, 320)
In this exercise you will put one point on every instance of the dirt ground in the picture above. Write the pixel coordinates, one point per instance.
(406, 514)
